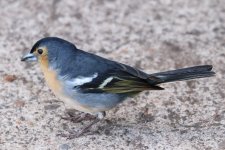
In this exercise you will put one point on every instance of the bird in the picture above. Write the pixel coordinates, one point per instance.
(92, 84)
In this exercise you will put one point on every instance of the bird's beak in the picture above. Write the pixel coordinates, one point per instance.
(29, 57)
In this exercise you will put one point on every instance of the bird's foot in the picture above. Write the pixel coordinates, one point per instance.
(79, 118)
(72, 135)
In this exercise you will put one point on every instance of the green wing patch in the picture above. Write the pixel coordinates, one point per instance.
(129, 85)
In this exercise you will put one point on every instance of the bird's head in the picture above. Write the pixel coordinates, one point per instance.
(48, 50)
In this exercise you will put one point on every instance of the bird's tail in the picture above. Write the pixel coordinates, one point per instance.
(183, 74)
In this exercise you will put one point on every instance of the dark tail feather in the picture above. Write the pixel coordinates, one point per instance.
(182, 74)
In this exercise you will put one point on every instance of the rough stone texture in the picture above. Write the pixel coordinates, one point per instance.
(154, 35)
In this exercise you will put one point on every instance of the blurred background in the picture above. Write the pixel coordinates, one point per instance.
(152, 35)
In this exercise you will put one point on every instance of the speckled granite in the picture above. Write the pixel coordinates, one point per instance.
(154, 35)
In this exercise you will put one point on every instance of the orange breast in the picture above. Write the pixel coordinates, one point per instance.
(50, 76)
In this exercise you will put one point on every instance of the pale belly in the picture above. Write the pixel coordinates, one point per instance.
(74, 104)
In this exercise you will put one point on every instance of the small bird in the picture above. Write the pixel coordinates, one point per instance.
(92, 84)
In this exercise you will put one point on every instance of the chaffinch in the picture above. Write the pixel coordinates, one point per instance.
(92, 84)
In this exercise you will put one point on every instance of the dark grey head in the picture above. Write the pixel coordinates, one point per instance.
(49, 49)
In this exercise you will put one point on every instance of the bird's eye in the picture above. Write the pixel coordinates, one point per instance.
(40, 51)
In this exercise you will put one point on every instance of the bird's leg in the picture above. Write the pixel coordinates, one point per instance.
(84, 130)
(84, 117)
(78, 118)
(98, 118)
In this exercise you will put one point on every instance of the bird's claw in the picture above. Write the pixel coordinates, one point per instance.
(79, 118)
(84, 130)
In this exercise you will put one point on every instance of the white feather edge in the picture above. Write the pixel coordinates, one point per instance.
(105, 82)
(80, 80)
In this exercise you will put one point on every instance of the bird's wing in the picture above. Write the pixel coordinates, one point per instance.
(91, 73)
(121, 79)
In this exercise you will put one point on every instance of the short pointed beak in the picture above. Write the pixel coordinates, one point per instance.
(29, 57)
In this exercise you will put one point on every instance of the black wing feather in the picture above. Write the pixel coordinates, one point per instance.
(125, 80)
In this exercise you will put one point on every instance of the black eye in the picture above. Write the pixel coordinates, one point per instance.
(40, 51)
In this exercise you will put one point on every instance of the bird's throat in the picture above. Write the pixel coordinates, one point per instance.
(50, 76)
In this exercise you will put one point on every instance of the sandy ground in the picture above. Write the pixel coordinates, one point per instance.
(153, 35)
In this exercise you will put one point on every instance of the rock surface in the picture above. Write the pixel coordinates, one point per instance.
(150, 35)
